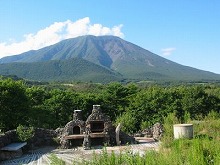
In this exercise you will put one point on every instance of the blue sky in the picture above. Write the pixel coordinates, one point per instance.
(184, 31)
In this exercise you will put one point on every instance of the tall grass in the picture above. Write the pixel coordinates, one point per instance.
(203, 149)
(181, 152)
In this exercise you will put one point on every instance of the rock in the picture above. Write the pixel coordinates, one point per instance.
(157, 131)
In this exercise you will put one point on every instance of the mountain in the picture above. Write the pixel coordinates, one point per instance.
(110, 53)
(60, 70)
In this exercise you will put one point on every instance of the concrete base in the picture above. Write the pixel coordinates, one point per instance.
(183, 131)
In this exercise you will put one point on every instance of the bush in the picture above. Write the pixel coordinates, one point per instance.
(169, 121)
(145, 124)
(24, 133)
(128, 122)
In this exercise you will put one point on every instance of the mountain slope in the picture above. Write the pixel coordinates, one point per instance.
(131, 61)
(75, 69)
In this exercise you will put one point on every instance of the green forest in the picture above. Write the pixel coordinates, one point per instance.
(135, 106)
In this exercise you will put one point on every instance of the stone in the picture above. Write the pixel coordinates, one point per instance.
(157, 131)
(86, 142)
(96, 130)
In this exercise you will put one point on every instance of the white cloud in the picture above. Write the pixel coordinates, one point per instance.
(56, 32)
(167, 51)
(78, 28)
(117, 31)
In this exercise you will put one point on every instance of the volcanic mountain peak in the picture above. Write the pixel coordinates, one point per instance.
(113, 53)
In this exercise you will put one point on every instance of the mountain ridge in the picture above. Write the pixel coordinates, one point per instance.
(116, 54)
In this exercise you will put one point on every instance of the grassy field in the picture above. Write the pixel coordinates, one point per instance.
(203, 149)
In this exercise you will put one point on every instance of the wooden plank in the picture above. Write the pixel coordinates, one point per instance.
(14, 146)
(74, 136)
(97, 135)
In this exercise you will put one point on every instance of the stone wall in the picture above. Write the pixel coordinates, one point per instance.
(156, 132)
(7, 138)
(43, 137)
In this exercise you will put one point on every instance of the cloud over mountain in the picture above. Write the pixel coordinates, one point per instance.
(56, 32)
(167, 51)
(128, 60)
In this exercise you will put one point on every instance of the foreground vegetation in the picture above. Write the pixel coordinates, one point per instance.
(135, 106)
(203, 149)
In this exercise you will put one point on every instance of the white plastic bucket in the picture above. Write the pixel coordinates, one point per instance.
(183, 131)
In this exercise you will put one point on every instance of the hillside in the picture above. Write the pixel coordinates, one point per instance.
(75, 69)
(129, 60)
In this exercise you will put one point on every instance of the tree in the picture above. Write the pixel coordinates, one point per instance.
(86, 102)
(38, 114)
(128, 122)
(60, 106)
(116, 98)
(197, 102)
(14, 104)
(151, 105)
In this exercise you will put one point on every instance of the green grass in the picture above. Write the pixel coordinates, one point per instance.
(203, 149)
(181, 152)
(55, 160)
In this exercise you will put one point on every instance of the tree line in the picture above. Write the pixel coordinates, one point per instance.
(136, 108)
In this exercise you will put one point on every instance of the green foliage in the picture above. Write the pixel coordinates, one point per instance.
(38, 115)
(116, 98)
(52, 106)
(194, 151)
(134, 107)
(75, 69)
(169, 121)
(208, 128)
(14, 104)
(151, 105)
(186, 117)
(145, 124)
(194, 101)
(106, 158)
(55, 160)
(128, 122)
(24, 133)
(60, 105)
(201, 150)
(213, 115)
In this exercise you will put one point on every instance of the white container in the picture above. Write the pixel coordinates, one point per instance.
(183, 131)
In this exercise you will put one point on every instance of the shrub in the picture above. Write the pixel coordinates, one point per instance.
(169, 121)
(128, 122)
(24, 133)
